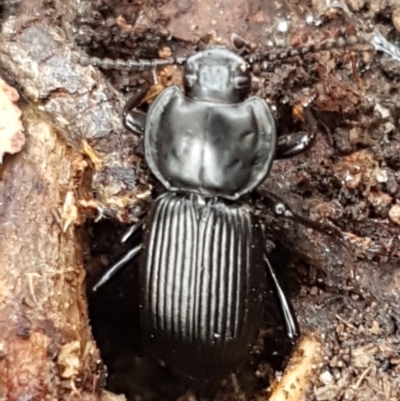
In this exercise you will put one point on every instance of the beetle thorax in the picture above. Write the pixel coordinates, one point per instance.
(217, 75)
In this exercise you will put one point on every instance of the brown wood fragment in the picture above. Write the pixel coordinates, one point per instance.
(80, 104)
(297, 379)
(47, 350)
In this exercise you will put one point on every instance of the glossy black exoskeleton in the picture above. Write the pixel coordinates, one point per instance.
(203, 268)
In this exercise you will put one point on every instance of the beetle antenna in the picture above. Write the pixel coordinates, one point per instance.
(129, 65)
(333, 43)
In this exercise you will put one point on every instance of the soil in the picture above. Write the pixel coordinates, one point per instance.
(344, 285)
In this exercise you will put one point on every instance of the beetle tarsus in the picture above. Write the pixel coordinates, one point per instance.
(293, 144)
(288, 315)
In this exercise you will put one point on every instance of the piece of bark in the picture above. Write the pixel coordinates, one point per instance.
(46, 348)
(81, 105)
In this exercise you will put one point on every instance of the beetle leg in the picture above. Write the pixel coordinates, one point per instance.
(293, 144)
(280, 208)
(135, 119)
(134, 228)
(117, 266)
(289, 317)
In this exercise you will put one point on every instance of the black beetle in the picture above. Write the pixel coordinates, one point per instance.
(203, 267)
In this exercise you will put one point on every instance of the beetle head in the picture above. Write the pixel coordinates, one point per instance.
(217, 74)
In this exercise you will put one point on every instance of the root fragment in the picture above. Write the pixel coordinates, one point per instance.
(296, 380)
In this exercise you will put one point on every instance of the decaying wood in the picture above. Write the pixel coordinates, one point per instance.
(80, 104)
(47, 350)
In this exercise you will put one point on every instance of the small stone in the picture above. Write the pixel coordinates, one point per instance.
(326, 377)
(356, 5)
(396, 18)
(381, 175)
(355, 135)
(283, 26)
(380, 201)
(334, 362)
(353, 181)
(375, 328)
(383, 111)
(374, 7)
(394, 214)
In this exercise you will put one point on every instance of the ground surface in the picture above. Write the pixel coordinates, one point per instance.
(345, 288)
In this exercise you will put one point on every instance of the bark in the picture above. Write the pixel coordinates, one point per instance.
(78, 101)
(46, 347)
(47, 350)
